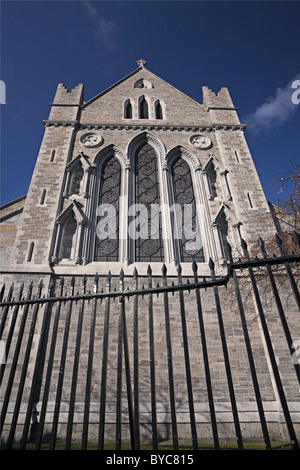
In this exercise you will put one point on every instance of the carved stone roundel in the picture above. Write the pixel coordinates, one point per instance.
(91, 139)
(201, 142)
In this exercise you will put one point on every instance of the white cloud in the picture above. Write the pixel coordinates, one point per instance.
(276, 110)
(105, 29)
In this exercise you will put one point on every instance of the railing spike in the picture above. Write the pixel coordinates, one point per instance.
(261, 243)
(149, 270)
(164, 270)
(278, 239)
(2, 292)
(211, 264)
(179, 268)
(244, 244)
(121, 274)
(135, 273)
(194, 266)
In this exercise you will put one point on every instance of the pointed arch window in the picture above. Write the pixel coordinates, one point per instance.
(145, 222)
(158, 110)
(128, 109)
(107, 232)
(143, 108)
(184, 218)
(69, 238)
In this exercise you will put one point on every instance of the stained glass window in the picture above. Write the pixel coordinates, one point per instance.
(148, 246)
(185, 224)
(107, 246)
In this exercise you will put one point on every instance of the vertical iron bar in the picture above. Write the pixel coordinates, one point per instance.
(127, 371)
(226, 359)
(14, 361)
(6, 308)
(136, 364)
(104, 367)
(279, 307)
(119, 371)
(281, 393)
(49, 371)
(75, 371)
(89, 371)
(61, 370)
(206, 363)
(11, 332)
(24, 370)
(187, 363)
(170, 362)
(152, 364)
(250, 356)
(38, 363)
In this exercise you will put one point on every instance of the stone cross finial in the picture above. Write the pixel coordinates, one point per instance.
(141, 63)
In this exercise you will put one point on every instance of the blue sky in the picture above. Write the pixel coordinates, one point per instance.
(253, 48)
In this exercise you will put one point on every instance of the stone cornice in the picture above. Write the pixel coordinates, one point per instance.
(148, 127)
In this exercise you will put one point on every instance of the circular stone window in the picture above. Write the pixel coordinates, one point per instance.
(201, 142)
(91, 139)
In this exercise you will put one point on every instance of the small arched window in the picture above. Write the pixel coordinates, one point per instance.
(143, 108)
(128, 110)
(43, 196)
(52, 156)
(158, 110)
(30, 252)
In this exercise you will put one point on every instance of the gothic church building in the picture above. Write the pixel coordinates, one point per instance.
(138, 179)
(140, 142)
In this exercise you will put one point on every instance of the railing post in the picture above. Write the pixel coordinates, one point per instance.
(14, 362)
(49, 370)
(277, 378)
(75, 370)
(104, 366)
(279, 306)
(206, 362)
(127, 362)
(87, 400)
(11, 331)
(62, 369)
(136, 364)
(119, 366)
(24, 371)
(187, 362)
(170, 361)
(250, 355)
(152, 363)
(226, 359)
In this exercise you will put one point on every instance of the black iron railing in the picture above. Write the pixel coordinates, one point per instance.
(26, 315)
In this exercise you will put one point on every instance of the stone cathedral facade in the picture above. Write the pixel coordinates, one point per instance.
(142, 175)
(139, 142)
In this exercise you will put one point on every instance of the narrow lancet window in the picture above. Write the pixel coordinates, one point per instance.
(52, 156)
(30, 252)
(107, 228)
(186, 228)
(128, 110)
(146, 225)
(158, 110)
(43, 197)
(143, 108)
